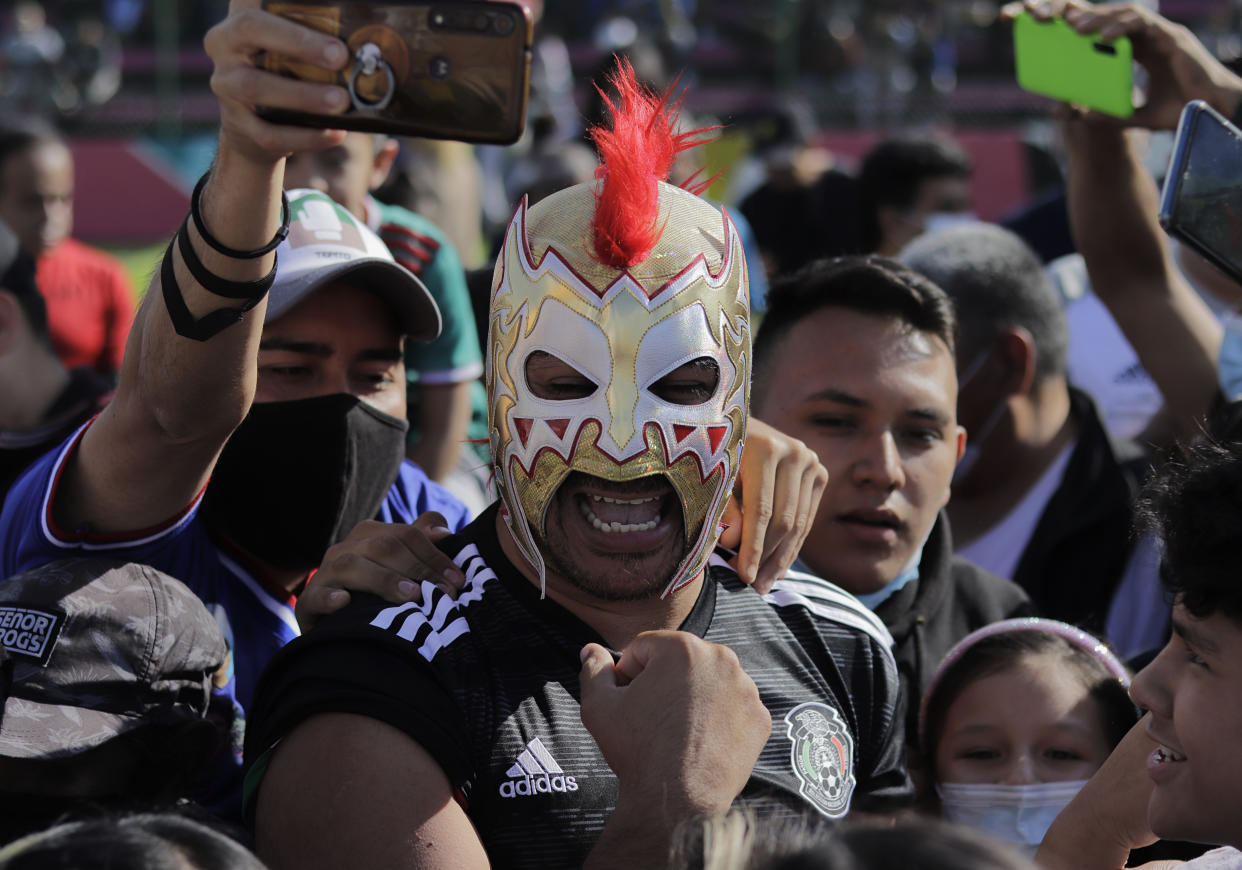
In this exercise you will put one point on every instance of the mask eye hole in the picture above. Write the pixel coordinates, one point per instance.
(692, 383)
(550, 377)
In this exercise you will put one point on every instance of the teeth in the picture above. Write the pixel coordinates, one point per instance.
(612, 528)
(608, 500)
(1163, 755)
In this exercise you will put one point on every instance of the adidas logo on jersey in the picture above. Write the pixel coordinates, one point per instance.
(536, 772)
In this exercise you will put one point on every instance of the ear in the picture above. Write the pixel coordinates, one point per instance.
(892, 222)
(382, 164)
(12, 322)
(1018, 351)
(961, 444)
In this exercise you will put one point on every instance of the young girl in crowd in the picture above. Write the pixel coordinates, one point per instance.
(1018, 716)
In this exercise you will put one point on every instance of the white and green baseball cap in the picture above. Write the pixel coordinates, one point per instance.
(325, 244)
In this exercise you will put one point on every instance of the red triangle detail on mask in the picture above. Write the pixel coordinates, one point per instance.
(558, 426)
(681, 433)
(523, 425)
(716, 434)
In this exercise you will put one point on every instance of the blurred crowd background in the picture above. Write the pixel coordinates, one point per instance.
(803, 87)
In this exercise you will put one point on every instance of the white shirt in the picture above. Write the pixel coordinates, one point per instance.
(1000, 547)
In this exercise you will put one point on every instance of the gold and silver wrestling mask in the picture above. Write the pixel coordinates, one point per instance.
(624, 328)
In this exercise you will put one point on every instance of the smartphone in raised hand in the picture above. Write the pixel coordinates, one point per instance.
(456, 69)
(1053, 59)
(1201, 203)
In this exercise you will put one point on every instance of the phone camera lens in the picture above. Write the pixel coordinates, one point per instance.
(437, 19)
(503, 24)
(438, 68)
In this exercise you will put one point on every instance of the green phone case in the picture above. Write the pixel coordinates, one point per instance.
(1056, 61)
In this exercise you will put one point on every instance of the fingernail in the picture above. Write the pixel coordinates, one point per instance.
(454, 577)
(334, 53)
(335, 99)
(441, 530)
(337, 597)
(582, 655)
(405, 588)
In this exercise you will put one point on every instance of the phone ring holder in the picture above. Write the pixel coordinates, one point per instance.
(368, 61)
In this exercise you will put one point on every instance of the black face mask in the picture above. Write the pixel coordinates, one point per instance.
(296, 477)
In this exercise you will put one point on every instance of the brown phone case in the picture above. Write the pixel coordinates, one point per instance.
(444, 70)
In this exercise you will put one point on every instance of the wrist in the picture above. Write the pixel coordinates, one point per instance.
(1229, 102)
(637, 834)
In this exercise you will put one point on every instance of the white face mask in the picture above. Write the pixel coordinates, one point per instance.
(1019, 814)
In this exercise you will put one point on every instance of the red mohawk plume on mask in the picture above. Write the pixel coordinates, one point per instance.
(635, 153)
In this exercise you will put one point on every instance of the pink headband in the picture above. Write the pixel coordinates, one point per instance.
(1079, 638)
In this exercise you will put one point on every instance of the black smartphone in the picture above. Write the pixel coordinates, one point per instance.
(1201, 203)
(458, 69)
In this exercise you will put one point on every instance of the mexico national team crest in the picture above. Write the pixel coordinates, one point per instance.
(822, 757)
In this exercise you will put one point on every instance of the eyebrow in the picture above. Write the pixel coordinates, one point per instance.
(1193, 636)
(309, 348)
(929, 414)
(831, 394)
(382, 355)
(840, 397)
(324, 351)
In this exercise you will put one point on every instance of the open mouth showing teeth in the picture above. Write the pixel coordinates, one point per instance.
(1163, 755)
(619, 515)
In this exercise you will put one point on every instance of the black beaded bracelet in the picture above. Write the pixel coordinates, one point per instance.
(197, 215)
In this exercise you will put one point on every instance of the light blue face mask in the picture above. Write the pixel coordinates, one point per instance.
(1018, 814)
(1229, 363)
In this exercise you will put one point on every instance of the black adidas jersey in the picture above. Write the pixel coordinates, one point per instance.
(488, 685)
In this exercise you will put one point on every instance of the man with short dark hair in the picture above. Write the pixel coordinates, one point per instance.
(296, 416)
(855, 358)
(1044, 496)
(443, 374)
(909, 186)
(1177, 774)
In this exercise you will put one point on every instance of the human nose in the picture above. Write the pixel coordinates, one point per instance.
(880, 463)
(1150, 687)
(316, 181)
(335, 380)
(1021, 771)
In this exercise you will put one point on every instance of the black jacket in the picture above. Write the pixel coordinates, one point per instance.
(950, 599)
(1079, 550)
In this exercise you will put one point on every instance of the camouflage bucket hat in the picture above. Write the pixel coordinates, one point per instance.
(94, 648)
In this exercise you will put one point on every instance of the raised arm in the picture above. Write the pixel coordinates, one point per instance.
(178, 399)
(1113, 202)
(1113, 212)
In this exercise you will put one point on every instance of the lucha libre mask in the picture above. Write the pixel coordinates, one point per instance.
(624, 327)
